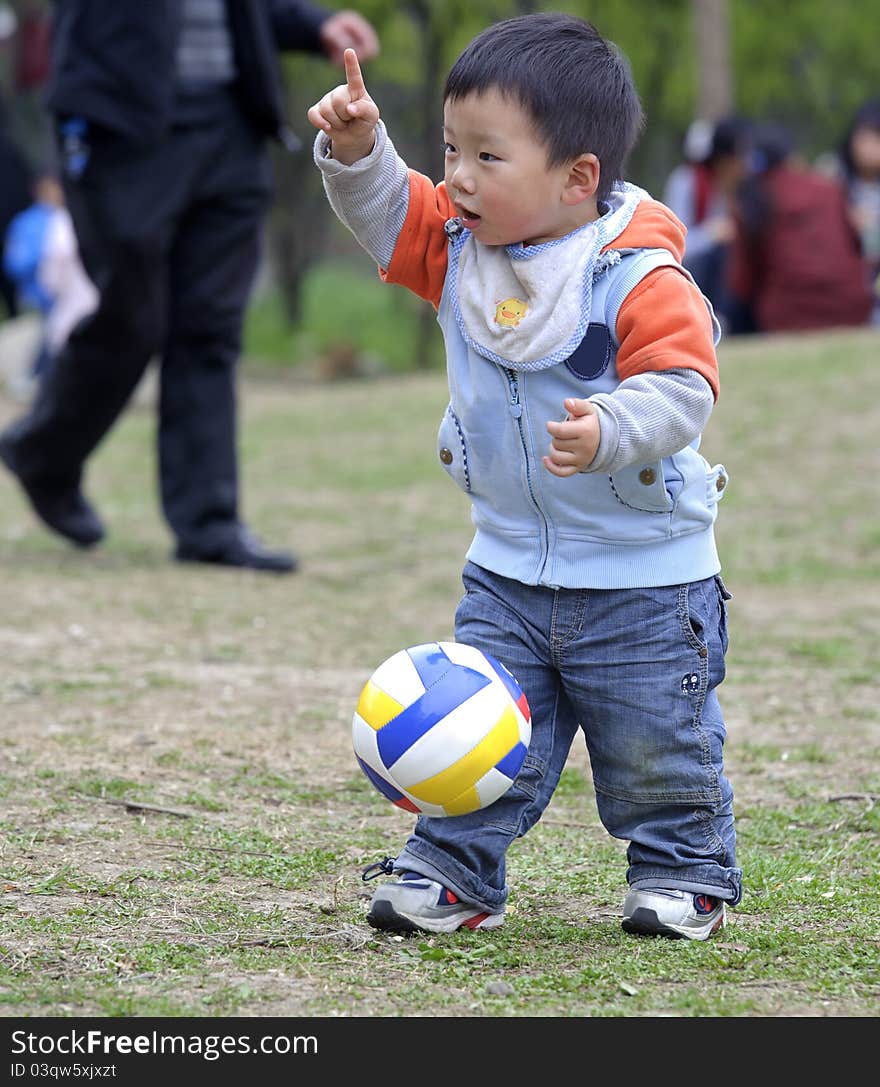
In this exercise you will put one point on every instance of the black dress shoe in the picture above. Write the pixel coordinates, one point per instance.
(61, 506)
(244, 550)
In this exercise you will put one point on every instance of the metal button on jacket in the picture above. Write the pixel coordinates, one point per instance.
(446, 455)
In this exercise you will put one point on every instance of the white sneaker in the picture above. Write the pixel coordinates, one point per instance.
(677, 914)
(414, 903)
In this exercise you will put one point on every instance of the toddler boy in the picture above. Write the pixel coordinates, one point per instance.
(582, 369)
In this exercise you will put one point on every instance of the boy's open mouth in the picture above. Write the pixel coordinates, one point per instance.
(468, 218)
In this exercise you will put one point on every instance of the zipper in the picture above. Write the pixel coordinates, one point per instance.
(516, 410)
(515, 405)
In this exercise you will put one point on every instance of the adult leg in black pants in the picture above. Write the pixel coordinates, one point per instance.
(105, 356)
(212, 264)
(169, 235)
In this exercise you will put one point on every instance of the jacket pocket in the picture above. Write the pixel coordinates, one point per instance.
(716, 484)
(643, 487)
(452, 450)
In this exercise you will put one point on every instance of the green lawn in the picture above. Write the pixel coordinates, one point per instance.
(183, 823)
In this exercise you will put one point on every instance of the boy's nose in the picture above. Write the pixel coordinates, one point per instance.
(461, 180)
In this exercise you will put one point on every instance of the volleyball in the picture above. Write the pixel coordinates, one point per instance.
(441, 729)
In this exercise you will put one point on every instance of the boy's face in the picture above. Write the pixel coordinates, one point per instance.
(497, 174)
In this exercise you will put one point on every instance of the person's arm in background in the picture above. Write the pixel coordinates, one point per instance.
(680, 197)
(301, 25)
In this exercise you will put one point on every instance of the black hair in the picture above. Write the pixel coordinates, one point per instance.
(772, 145)
(576, 86)
(730, 136)
(867, 116)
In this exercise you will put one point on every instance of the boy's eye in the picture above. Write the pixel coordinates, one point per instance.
(448, 148)
(487, 156)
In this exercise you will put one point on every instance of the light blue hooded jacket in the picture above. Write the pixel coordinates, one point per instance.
(643, 512)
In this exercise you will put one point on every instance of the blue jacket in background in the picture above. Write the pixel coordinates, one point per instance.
(23, 249)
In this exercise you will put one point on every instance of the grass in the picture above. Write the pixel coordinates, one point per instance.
(344, 308)
(224, 699)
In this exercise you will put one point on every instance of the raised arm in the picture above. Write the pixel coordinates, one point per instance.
(348, 115)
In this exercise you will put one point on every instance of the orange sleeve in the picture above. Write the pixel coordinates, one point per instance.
(421, 254)
(664, 324)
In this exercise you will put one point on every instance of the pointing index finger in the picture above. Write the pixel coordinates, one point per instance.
(353, 75)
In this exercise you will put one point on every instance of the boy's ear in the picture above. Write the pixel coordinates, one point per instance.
(583, 180)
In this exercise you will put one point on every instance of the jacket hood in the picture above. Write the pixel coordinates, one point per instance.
(636, 221)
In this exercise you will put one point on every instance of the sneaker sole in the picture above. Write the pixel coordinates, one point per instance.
(644, 922)
(383, 916)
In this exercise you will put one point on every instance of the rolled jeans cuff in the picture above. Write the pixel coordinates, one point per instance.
(642, 877)
(454, 878)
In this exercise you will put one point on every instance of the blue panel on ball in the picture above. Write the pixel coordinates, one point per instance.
(506, 678)
(430, 662)
(452, 688)
(512, 761)
(386, 789)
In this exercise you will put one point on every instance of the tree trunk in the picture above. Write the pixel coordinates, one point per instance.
(429, 116)
(715, 81)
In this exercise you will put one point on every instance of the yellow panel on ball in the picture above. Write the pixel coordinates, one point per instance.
(376, 707)
(462, 774)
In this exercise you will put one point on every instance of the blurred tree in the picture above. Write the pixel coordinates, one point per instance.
(712, 40)
(805, 63)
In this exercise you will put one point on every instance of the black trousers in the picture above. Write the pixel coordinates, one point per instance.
(170, 235)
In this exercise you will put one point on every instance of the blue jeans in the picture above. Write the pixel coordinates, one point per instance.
(636, 670)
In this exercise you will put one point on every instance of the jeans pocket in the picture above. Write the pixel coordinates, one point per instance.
(692, 616)
(723, 597)
(703, 617)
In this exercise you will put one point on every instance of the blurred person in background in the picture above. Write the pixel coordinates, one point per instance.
(796, 259)
(701, 192)
(163, 113)
(30, 56)
(856, 166)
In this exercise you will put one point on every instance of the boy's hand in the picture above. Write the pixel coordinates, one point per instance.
(348, 115)
(575, 440)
